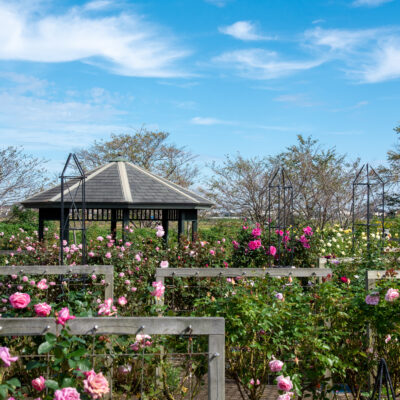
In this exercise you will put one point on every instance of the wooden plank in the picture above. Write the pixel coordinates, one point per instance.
(381, 274)
(115, 326)
(56, 269)
(216, 367)
(245, 272)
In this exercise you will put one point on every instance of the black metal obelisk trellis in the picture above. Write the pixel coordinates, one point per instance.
(383, 381)
(280, 213)
(71, 186)
(368, 203)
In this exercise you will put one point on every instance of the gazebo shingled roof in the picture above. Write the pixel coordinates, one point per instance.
(122, 191)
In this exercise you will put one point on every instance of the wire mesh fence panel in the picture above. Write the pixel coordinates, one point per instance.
(81, 288)
(122, 358)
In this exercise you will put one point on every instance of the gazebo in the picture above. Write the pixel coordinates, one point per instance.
(119, 191)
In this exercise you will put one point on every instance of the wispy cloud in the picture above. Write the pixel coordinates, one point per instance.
(263, 64)
(356, 106)
(243, 30)
(218, 3)
(370, 3)
(123, 43)
(371, 55)
(210, 121)
(318, 21)
(299, 99)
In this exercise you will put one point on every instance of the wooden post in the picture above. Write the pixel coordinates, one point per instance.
(216, 367)
(125, 222)
(181, 224)
(114, 224)
(165, 226)
(41, 225)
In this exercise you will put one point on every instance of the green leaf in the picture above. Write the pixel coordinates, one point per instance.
(14, 382)
(45, 347)
(50, 337)
(3, 391)
(72, 363)
(84, 365)
(67, 382)
(51, 384)
(78, 353)
(34, 364)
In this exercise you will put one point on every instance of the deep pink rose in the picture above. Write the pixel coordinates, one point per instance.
(391, 294)
(275, 365)
(284, 383)
(63, 316)
(254, 244)
(308, 231)
(256, 232)
(42, 309)
(122, 301)
(272, 250)
(20, 300)
(6, 357)
(39, 383)
(95, 384)
(67, 393)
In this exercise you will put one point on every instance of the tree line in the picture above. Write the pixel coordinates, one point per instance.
(321, 177)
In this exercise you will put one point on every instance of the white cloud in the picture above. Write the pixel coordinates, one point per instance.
(370, 3)
(299, 99)
(371, 55)
(218, 3)
(123, 43)
(209, 121)
(264, 64)
(243, 30)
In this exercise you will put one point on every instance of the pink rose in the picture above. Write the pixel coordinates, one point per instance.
(39, 383)
(284, 383)
(391, 294)
(388, 338)
(67, 393)
(95, 384)
(20, 300)
(164, 264)
(122, 301)
(280, 297)
(159, 289)
(42, 284)
(372, 299)
(107, 308)
(63, 316)
(286, 396)
(100, 238)
(308, 231)
(108, 255)
(254, 244)
(256, 232)
(42, 309)
(275, 365)
(6, 357)
(272, 250)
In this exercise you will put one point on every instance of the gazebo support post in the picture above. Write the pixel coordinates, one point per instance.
(181, 224)
(64, 226)
(165, 226)
(194, 230)
(114, 224)
(125, 222)
(41, 225)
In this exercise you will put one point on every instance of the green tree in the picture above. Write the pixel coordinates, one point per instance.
(146, 149)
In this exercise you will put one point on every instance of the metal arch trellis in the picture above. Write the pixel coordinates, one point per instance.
(72, 183)
(368, 199)
(280, 209)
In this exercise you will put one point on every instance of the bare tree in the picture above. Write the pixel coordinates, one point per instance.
(21, 175)
(147, 149)
(322, 181)
(240, 186)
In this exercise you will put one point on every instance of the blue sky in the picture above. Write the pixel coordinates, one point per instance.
(221, 76)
